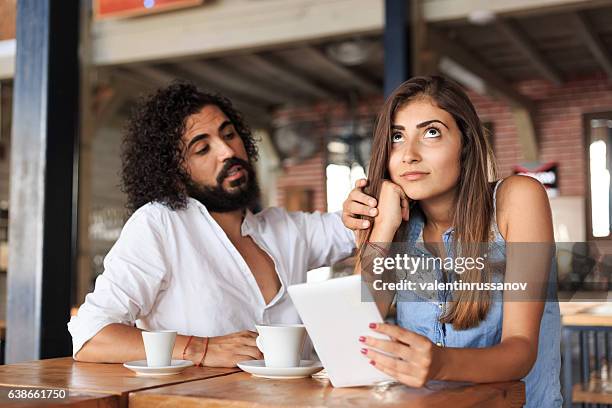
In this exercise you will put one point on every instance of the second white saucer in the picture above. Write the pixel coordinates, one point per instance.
(140, 367)
(258, 369)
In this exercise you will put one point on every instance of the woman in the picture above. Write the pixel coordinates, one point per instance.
(430, 172)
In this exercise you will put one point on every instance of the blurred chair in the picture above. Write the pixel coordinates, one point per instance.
(584, 257)
(592, 333)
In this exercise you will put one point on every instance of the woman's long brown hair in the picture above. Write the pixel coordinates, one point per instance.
(473, 208)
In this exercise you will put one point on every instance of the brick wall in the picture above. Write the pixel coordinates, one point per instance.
(558, 124)
(8, 12)
(309, 174)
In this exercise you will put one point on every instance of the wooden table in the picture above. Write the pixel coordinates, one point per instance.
(92, 378)
(244, 390)
(580, 314)
(112, 385)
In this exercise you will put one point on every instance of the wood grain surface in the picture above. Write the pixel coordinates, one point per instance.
(244, 390)
(585, 314)
(113, 379)
(595, 392)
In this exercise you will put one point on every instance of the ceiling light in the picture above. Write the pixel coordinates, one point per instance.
(481, 17)
(350, 52)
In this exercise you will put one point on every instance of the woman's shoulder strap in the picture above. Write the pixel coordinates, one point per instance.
(497, 184)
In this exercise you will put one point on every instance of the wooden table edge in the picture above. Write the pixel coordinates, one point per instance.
(586, 319)
(513, 395)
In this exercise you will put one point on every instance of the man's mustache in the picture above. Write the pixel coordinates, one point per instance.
(229, 163)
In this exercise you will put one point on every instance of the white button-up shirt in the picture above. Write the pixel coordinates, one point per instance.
(178, 270)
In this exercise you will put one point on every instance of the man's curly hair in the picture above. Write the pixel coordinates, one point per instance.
(153, 149)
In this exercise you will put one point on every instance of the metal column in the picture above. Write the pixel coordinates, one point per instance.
(44, 176)
(397, 43)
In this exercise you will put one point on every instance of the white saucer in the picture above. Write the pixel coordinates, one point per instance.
(141, 368)
(258, 369)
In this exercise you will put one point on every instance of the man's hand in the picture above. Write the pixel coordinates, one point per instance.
(358, 204)
(228, 350)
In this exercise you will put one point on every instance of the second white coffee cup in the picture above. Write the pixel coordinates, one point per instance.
(158, 347)
(281, 344)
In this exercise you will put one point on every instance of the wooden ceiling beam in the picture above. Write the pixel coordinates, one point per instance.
(275, 69)
(122, 77)
(253, 112)
(220, 75)
(465, 58)
(220, 28)
(524, 45)
(327, 65)
(253, 109)
(452, 10)
(158, 76)
(593, 42)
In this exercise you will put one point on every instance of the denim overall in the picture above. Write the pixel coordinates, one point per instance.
(420, 313)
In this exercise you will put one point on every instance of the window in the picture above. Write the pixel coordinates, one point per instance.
(598, 132)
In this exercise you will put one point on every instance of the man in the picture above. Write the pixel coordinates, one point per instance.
(192, 257)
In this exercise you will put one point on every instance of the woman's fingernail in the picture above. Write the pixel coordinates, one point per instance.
(372, 203)
(373, 211)
(366, 224)
(372, 362)
(361, 339)
(364, 351)
(373, 325)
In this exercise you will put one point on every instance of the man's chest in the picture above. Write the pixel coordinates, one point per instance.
(261, 265)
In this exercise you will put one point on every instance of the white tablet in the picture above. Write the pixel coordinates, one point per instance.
(335, 317)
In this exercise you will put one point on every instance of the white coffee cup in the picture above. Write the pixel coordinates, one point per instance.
(281, 344)
(158, 347)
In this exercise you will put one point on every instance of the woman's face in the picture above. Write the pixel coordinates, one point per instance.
(425, 150)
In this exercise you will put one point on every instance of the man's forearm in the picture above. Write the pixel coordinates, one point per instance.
(507, 361)
(118, 343)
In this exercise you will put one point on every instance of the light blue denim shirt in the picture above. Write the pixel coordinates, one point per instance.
(421, 313)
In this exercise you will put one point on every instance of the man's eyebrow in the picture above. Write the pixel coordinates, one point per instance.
(202, 136)
(196, 139)
(225, 124)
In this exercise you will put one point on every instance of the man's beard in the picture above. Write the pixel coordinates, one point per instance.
(245, 192)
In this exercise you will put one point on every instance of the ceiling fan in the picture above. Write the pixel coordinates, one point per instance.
(295, 141)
